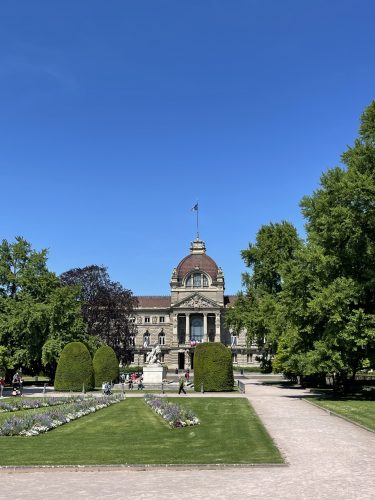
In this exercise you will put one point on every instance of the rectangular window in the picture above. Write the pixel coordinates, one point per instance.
(161, 319)
(249, 357)
(161, 339)
(161, 358)
(147, 319)
(197, 280)
(234, 357)
(145, 357)
(233, 340)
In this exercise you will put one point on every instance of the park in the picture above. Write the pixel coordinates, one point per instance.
(187, 250)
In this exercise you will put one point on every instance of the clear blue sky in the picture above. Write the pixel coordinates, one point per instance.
(116, 117)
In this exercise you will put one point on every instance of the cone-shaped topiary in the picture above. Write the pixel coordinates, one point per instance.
(74, 369)
(213, 367)
(105, 365)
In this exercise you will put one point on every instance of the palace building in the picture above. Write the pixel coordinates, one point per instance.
(193, 312)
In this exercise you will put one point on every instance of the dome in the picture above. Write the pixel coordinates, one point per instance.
(197, 260)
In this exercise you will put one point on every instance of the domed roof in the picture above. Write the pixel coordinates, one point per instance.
(197, 261)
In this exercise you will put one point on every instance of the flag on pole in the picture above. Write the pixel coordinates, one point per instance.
(195, 207)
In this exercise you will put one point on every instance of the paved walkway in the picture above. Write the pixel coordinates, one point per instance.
(328, 459)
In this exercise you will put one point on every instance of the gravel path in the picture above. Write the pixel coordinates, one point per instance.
(327, 457)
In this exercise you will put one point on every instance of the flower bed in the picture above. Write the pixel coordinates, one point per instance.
(29, 404)
(36, 423)
(175, 415)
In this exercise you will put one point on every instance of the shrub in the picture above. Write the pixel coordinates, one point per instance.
(74, 368)
(105, 365)
(213, 367)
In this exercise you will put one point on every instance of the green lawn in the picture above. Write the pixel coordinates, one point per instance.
(360, 411)
(131, 433)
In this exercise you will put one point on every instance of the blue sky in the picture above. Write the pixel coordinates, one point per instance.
(116, 117)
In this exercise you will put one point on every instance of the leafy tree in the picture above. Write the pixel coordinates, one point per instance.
(106, 366)
(107, 308)
(315, 301)
(213, 367)
(74, 369)
(329, 291)
(258, 310)
(35, 310)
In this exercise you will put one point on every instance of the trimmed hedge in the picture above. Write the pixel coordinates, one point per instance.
(213, 367)
(74, 369)
(105, 365)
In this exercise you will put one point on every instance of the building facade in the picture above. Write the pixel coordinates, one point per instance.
(193, 312)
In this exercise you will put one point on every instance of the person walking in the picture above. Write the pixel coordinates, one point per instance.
(181, 383)
(2, 385)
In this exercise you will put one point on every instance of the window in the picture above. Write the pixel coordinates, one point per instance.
(131, 340)
(197, 280)
(234, 357)
(147, 319)
(233, 340)
(146, 339)
(161, 357)
(161, 319)
(145, 357)
(196, 328)
(249, 357)
(162, 338)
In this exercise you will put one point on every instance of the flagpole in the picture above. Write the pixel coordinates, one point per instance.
(197, 222)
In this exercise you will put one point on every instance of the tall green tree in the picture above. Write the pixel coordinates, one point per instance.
(35, 310)
(258, 309)
(329, 291)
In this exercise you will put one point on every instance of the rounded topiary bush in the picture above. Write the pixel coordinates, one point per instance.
(105, 365)
(74, 369)
(213, 367)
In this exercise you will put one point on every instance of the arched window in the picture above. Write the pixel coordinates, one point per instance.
(197, 280)
(161, 338)
(233, 339)
(146, 339)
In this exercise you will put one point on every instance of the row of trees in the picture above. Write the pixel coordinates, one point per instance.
(40, 312)
(310, 305)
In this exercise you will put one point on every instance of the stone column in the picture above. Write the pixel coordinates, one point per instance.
(205, 330)
(174, 339)
(218, 328)
(187, 328)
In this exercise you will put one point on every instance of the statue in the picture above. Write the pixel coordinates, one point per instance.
(153, 356)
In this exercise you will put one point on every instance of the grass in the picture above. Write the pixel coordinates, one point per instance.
(360, 411)
(131, 433)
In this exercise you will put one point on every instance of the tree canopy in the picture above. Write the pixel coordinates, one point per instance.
(107, 308)
(36, 312)
(314, 301)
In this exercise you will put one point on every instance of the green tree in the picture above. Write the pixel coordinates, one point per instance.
(37, 315)
(258, 309)
(106, 366)
(74, 369)
(213, 367)
(329, 291)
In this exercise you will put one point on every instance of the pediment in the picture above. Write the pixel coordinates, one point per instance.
(196, 301)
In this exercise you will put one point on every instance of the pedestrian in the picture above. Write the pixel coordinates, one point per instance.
(2, 385)
(140, 383)
(15, 384)
(181, 383)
